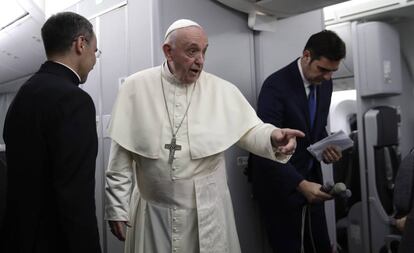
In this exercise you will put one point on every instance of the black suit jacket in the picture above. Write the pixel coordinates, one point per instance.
(51, 147)
(283, 103)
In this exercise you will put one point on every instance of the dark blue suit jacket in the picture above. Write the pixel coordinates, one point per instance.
(283, 103)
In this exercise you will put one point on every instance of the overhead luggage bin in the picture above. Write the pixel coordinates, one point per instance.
(21, 48)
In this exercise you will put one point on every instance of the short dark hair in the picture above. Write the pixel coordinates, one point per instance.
(60, 30)
(326, 44)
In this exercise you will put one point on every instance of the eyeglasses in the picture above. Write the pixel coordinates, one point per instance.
(98, 53)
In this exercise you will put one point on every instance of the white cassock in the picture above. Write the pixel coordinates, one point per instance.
(184, 206)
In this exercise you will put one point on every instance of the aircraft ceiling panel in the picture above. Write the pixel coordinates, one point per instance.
(27, 35)
(7, 60)
(278, 8)
(7, 74)
(19, 55)
(21, 49)
(293, 7)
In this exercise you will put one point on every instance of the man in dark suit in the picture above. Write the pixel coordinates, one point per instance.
(298, 96)
(51, 146)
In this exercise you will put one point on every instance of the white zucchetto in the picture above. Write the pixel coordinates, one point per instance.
(181, 23)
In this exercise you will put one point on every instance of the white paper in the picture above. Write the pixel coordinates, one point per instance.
(338, 139)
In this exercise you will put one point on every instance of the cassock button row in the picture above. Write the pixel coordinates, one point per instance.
(177, 105)
(175, 250)
(175, 239)
(175, 230)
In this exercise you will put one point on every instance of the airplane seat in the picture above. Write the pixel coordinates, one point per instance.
(404, 186)
(387, 163)
(403, 198)
(381, 124)
(3, 170)
(346, 170)
(382, 157)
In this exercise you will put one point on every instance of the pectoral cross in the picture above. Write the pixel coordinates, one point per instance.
(172, 147)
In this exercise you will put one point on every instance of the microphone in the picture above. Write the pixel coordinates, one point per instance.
(337, 190)
(346, 194)
(327, 187)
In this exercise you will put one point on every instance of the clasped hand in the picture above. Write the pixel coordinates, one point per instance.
(312, 192)
(118, 229)
(331, 154)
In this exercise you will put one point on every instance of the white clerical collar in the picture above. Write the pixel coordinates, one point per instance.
(70, 69)
(170, 76)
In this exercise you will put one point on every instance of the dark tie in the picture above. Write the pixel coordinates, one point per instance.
(312, 104)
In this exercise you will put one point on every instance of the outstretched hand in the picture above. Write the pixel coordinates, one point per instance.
(284, 139)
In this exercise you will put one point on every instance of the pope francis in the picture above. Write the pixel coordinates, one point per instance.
(166, 178)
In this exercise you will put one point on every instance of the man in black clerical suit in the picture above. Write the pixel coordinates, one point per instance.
(51, 147)
(298, 96)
